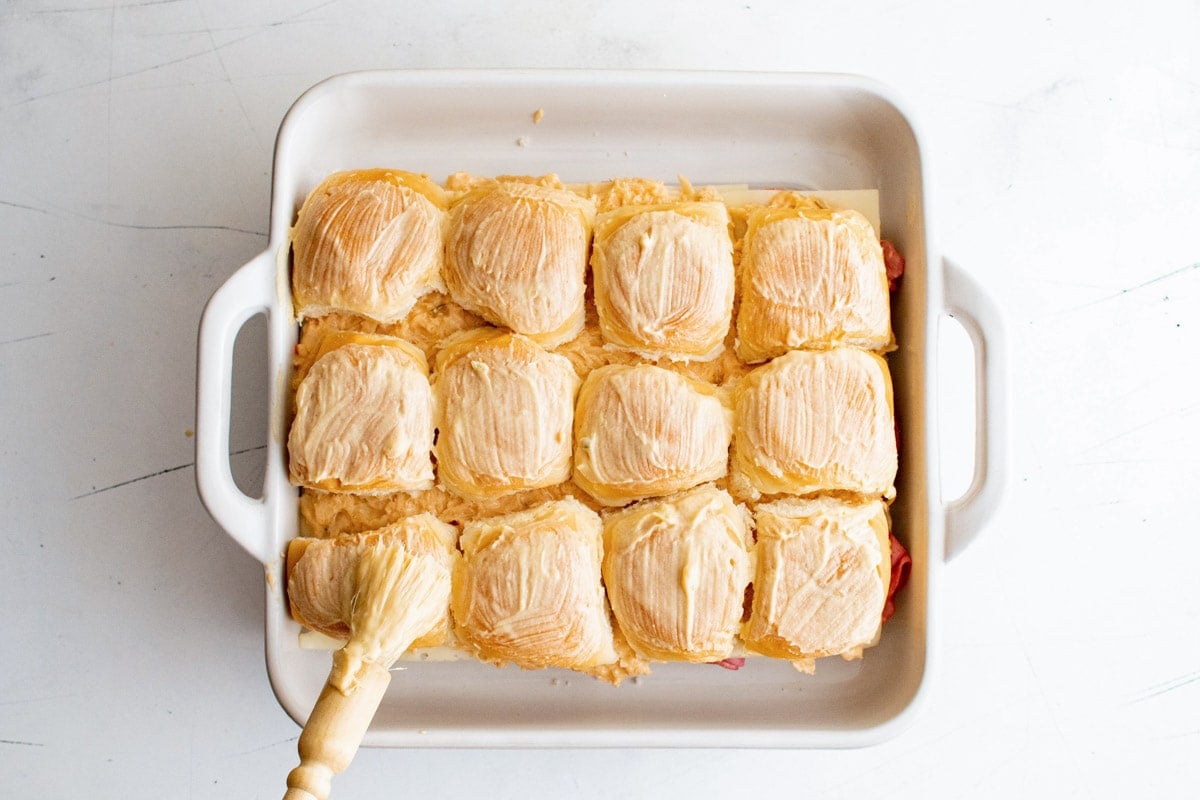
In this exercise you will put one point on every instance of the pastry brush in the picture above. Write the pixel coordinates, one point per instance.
(395, 596)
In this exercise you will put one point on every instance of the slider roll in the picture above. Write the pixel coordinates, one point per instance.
(822, 577)
(528, 589)
(676, 571)
(504, 408)
(642, 431)
(320, 573)
(364, 418)
(812, 422)
(664, 279)
(811, 278)
(517, 253)
(368, 242)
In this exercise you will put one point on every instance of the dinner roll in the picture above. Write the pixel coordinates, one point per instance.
(821, 578)
(364, 418)
(368, 242)
(811, 278)
(320, 572)
(676, 571)
(516, 254)
(664, 279)
(528, 589)
(643, 430)
(504, 413)
(816, 421)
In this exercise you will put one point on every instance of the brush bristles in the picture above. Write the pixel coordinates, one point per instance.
(398, 597)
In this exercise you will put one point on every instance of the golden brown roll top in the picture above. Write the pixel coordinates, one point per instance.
(816, 421)
(504, 410)
(516, 254)
(642, 431)
(528, 589)
(320, 572)
(368, 242)
(664, 279)
(676, 571)
(364, 419)
(811, 278)
(821, 578)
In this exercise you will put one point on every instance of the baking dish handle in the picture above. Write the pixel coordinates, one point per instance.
(248, 292)
(967, 303)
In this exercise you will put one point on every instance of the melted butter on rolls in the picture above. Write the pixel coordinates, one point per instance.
(516, 254)
(821, 580)
(546, 411)
(664, 279)
(368, 242)
(320, 582)
(643, 430)
(364, 418)
(812, 277)
(528, 589)
(504, 410)
(676, 571)
(816, 421)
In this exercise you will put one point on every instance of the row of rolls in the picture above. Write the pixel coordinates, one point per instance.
(637, 423)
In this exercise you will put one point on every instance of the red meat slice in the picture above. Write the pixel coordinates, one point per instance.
(901, 567)
(893, 264)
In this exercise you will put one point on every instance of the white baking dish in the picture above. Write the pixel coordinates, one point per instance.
(769, 130)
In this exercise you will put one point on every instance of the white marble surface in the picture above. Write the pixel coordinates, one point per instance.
(135, 159)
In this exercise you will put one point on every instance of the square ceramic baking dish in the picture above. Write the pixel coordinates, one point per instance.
(805, 131)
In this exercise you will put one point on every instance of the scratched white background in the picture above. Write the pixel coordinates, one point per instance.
(135, 157)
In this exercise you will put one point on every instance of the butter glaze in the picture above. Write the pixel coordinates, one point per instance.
(368, 242)
(811, 277)
(320, 586)
(821, 579)
(504, 413)
(516, 254)
(364, 420)
(528, 589)
(664, 279)
(676, 570)
(816, 421)
(643, 430)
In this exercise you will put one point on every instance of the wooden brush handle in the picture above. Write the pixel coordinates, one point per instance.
(333, 733)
